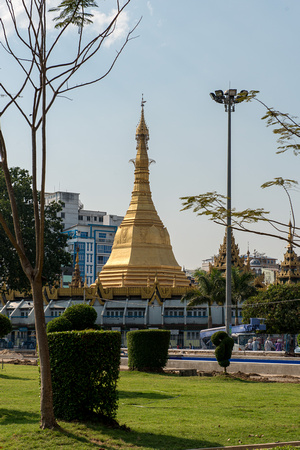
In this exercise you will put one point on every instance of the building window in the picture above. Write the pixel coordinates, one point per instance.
(103, 248)
(101, 219)
(88, 218)
(63, 215)
(80, 217)
(95, 219)
(102, 259)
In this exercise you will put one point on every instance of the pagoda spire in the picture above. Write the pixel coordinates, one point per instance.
(290, 267)
(76, 277)
(220, 259)
(142, 251)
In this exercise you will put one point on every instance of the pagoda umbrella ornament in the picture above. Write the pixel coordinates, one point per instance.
(228, 98)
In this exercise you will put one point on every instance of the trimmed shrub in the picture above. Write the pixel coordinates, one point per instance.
(59, 324)
(81, 316)
(148, 349)
(5, 325)
(85, 370)
(224, 345)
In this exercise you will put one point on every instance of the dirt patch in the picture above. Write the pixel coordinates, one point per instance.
(9, 357)
(262, 378)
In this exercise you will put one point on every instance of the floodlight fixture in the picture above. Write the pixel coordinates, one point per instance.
(228, 99)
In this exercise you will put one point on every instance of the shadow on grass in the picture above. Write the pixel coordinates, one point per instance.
(108, 438)
(13, 416)
(137, 439)
(147, 395)
(9, 377)
(240, 378)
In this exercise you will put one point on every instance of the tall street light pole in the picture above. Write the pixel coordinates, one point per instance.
(228, 98)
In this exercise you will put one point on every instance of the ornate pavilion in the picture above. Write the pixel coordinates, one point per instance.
(290, 266)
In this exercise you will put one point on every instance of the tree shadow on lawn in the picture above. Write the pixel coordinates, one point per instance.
(137, 439)
(9, 377)
(146, 395)
(14, 416)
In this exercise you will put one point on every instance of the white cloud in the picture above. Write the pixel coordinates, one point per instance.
(150, 8)
(101, 20)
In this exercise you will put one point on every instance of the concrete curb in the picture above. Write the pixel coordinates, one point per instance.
(252, 446)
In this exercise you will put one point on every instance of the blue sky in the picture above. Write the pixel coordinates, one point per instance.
(182, 52)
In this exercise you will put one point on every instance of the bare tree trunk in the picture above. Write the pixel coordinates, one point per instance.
(47, 414)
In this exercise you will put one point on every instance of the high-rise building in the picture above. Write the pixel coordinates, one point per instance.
(90, 232)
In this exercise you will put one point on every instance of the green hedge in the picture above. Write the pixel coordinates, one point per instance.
(85, 370)
(59, 324)
(81, 316)
(76, 317)
(148, 349)
(224, 345)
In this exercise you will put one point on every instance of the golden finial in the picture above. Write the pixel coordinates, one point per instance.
(142, 129)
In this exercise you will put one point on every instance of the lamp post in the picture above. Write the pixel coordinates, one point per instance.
(228, 98)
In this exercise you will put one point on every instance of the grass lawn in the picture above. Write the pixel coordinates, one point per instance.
(163, 411)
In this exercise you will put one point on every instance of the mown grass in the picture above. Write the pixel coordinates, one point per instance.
(163, 411)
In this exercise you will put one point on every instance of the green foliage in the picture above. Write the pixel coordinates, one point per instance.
(5, 325)
(59, 324)
(213, 206)
(224, 345)
(73, 12)
(85, 370)
(81, 316)
(55, 255)
(148, 349)
(279, 305)
(298, 339)
(286, 128)
(210, 289)
(76, 317)
(242, 286)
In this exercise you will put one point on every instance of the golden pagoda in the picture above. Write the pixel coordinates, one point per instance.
(290, 267)
(220, 260)
(142, 253)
